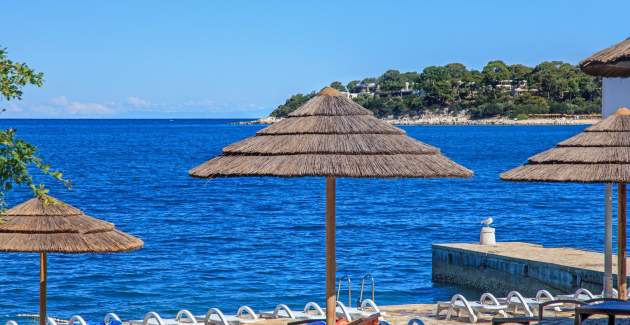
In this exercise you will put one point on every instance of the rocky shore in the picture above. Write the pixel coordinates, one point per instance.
(463, 120)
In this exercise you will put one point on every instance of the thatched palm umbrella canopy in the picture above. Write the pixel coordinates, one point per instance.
(600, 154)
(331, 136)
(46, 225)
(610, 62)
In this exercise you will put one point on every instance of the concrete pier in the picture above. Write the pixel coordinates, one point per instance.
(518, 266)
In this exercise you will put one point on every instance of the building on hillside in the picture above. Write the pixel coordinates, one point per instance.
(522, 87)
(373, 88)
(504, 85)
(405, 91)
(368, 88)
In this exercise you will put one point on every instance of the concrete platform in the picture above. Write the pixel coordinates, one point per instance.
(518, 266)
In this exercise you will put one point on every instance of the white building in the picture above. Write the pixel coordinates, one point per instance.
(613, 65)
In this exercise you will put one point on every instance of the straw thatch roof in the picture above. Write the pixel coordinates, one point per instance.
(611, 62)
(331, 135)
(48, 225)
(599, 154)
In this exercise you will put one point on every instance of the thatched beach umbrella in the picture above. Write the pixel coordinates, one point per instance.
(331, 136)
(600, 154)
(46, 225)
(610, 62)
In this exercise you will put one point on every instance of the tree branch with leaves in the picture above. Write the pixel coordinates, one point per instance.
(17, 156)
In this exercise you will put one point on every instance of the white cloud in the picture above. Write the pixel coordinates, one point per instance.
(132, 106)
(138, 102)
(82, 108)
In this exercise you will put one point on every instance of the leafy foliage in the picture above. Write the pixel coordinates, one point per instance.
(338, 85)
(14, 76)
(291, 104)
(16, 155)
(497, 90)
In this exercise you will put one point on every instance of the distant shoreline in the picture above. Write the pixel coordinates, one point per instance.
(454, 120)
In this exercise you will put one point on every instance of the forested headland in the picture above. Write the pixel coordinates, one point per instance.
(498, 90)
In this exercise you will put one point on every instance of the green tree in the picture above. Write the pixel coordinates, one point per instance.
(16, 155)
(338, 85)
(291, 104)
(555, 86)
(496, 71)
(520, 72)
(435, 82)
(353, 85)
(391, 80)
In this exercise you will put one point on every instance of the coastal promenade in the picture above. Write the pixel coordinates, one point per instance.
(518, 266)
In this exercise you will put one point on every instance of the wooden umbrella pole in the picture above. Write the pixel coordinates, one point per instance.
(331, 257)
(42, 288)
(621, 242)
(608, 279)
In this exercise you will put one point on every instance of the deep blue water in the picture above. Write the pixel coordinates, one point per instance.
(260, 241)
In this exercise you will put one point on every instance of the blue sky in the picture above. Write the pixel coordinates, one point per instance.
(204, 59)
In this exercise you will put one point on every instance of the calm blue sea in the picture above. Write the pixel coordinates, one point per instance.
(260, 241)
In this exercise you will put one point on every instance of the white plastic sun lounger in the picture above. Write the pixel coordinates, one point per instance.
(311, 311)
(76, 319)
(243, 315)
(367, 308)
(112, 319)
(281, 311)
(517, 303)
(582, 294)
(214, 316)
(487, 304)
(343, 312)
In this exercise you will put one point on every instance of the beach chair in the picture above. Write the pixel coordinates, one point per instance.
(519, 304)
(582, 294)
(370, 320)
(76, 319)
(151, 318)
(367, 308)
(281, 311)
(243, 315)
(487, 304)
(311, 311)
(343, 312)
(112, 319)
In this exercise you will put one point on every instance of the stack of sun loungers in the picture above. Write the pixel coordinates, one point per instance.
(487, 305)
(244, 315)
(514, 303)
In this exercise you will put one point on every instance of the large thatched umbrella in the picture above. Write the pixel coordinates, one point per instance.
(46, 225)
(610, 64)
(331, 136)
(600, 154)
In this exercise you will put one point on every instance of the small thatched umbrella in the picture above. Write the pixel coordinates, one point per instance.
(600, 154)
(610, 62)
(331, 136)
(46, 225)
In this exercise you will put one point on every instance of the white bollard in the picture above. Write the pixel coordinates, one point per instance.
(487, 236)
